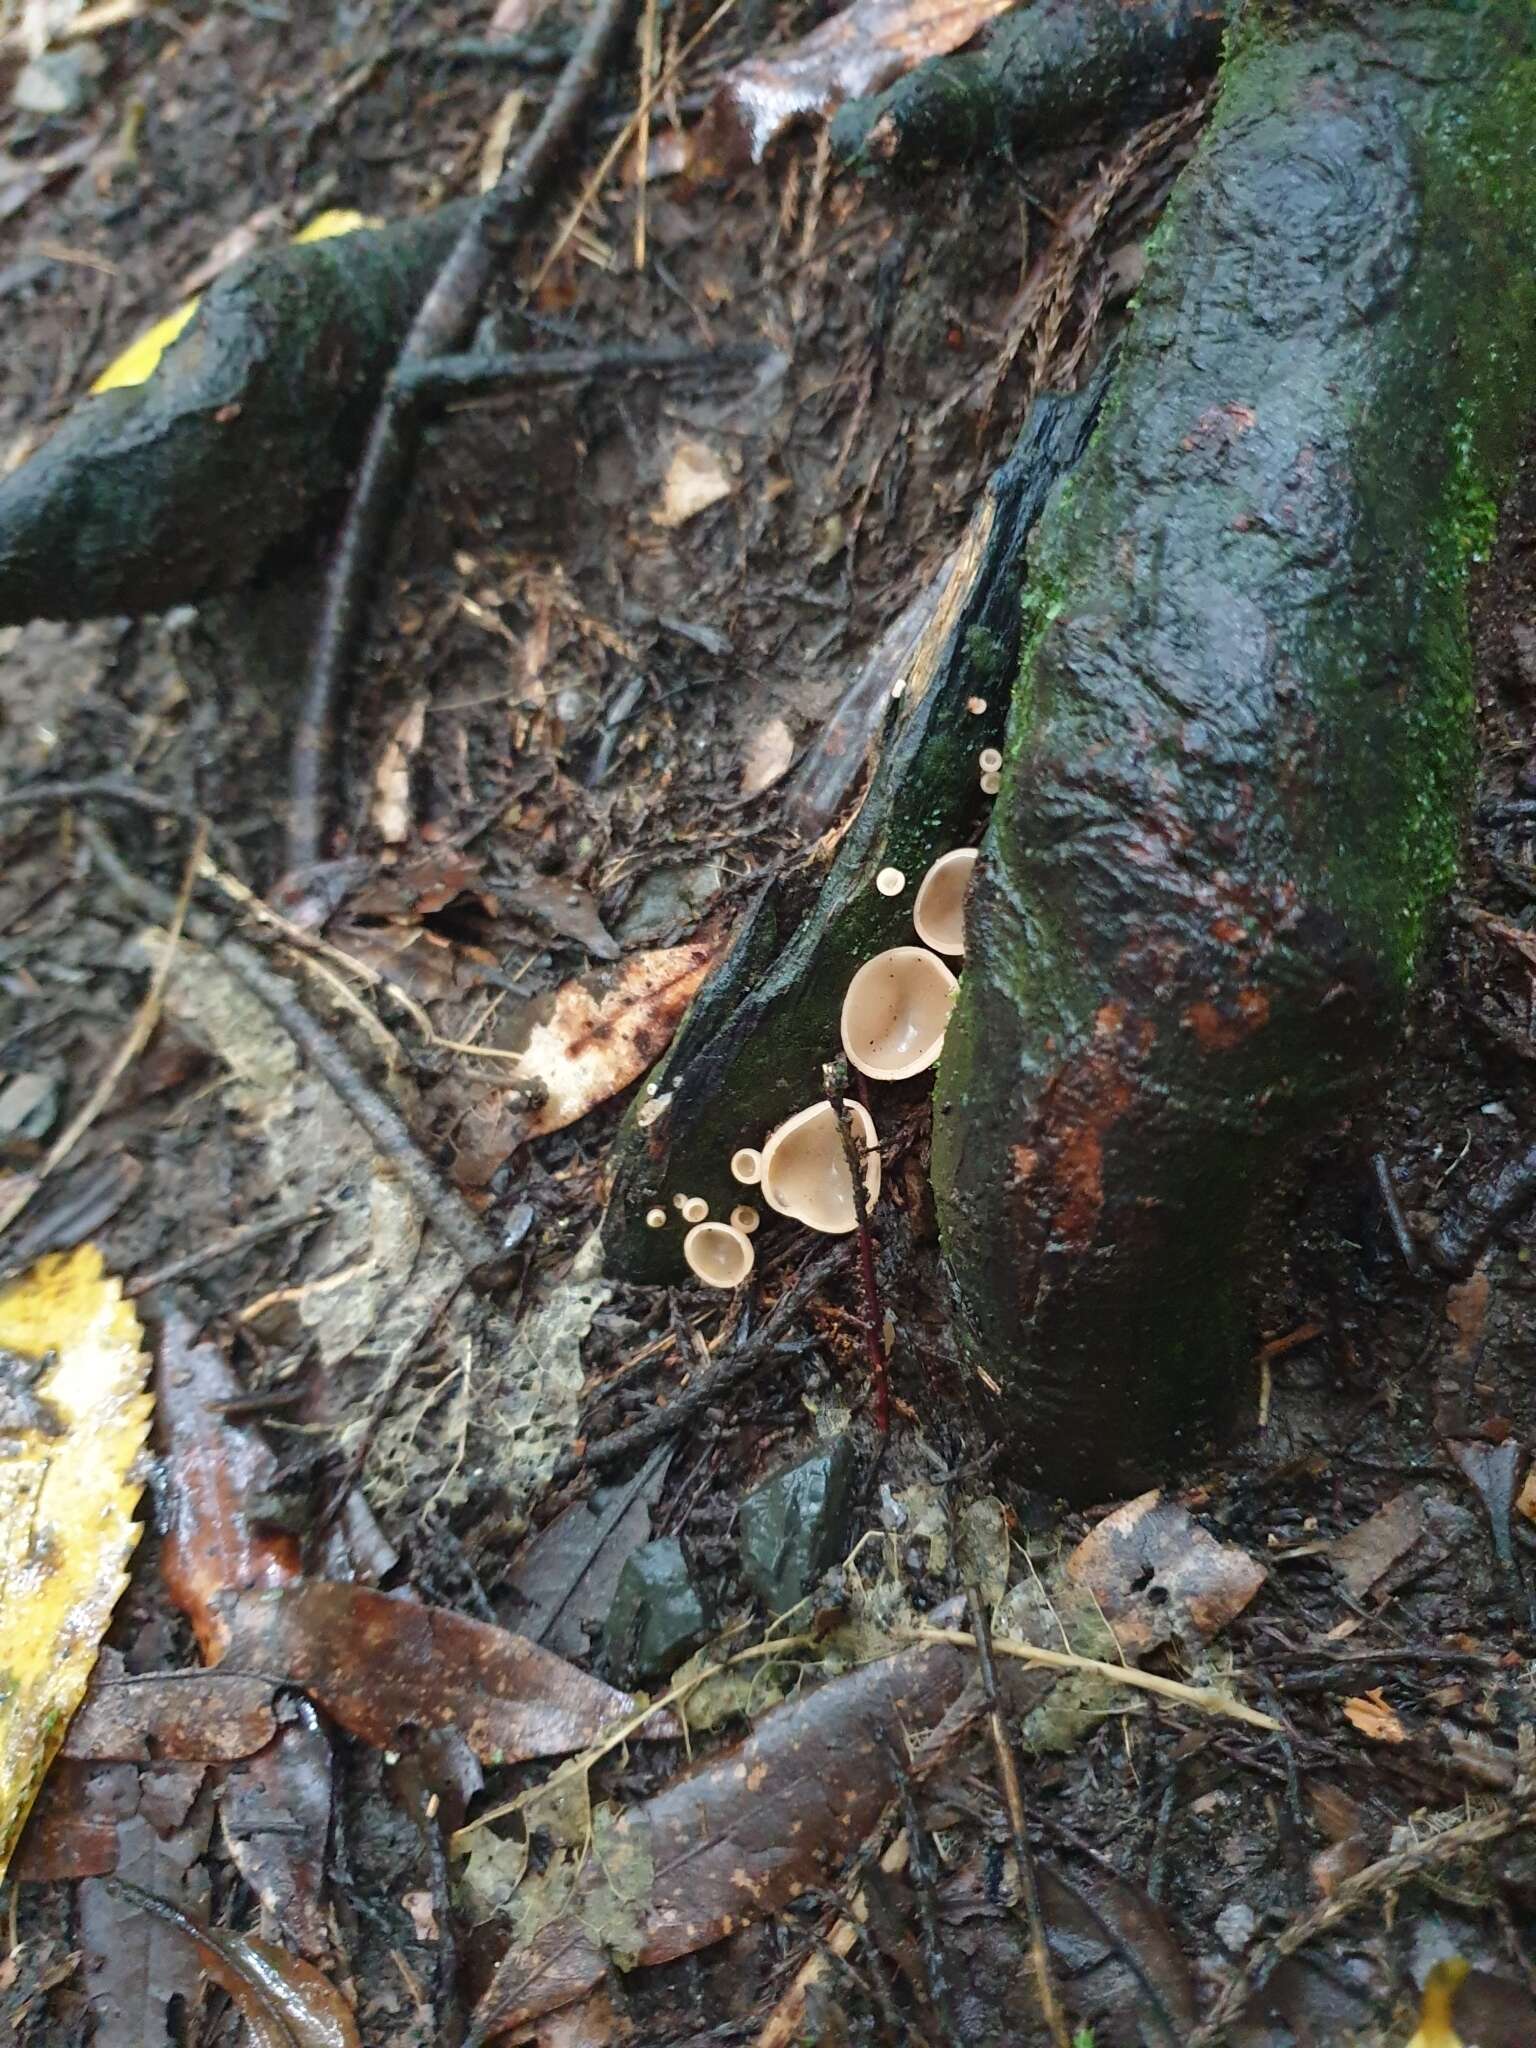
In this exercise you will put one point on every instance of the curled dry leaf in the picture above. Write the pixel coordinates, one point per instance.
(286, 2003)
(1376, 1720)
(740, 1838)
(696, 479)
(378, 1664)
(212, 1468)
(74, 1415)
(1160, 1578)
(857, 51)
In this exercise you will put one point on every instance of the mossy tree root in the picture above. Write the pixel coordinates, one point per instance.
(1241, 741)
(1042, 73)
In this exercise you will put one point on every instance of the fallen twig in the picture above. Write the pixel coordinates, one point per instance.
(442, 323)
(1203, 1698)
(1018, 1828)
(145, 1019)
(440, 380)
(708, 1386)
(445, 1209)
(1386, 1874)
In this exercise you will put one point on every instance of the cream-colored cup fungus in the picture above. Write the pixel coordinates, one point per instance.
(895, 1013)
(890, 881)
(655, 1219)
(747, 1166)
(718, 1254)
(678, 1201)
(745, 1217)
(989, 761)
(938, 913)
(975, 706)
(805, 1169)
(695, 1209)
(991, 783)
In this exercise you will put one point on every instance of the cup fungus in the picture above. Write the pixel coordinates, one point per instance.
(890, 881)
(939, 910)
(718, 1254)
(805, 1169)
(655, 1219)
(989, 761)
(895, 1012)
(745, 1217)
(991, 782)
(747, 1166)
(695, 1209)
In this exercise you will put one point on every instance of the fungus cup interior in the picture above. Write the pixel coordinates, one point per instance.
(896, 1011)
(938, 913)
(805, 1170)
(718, 1254)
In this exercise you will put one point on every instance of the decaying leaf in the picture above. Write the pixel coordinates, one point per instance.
(743, 1836)
(74, 1414)
(378, 1664)
(1365, 1555)
(393, 810)
(769, 754)
(602, 1031)
(1160, 1578)
(696, 479)
(213, 1468)
(568, 1572)
(856, 51)
(285, 2002)
(1376, 1720)
(204, 1717)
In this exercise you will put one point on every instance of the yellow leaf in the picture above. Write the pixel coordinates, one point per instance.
(141, 358)
(74, 1415)
(1436, 2025)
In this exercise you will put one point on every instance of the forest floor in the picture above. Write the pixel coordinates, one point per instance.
(586, 702)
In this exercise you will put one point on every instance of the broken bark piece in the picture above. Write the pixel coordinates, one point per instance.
(164, 492)
(1042, 72)
(1239, 752)
(750, 1051)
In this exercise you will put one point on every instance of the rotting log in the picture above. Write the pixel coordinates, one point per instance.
(1241, 741)
(1042, 72)
(170, 490)
(752, 1048)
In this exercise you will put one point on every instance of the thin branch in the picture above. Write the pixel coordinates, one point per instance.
(442, 323)
(441, 380)
(835, 1078)
(1018, 1827)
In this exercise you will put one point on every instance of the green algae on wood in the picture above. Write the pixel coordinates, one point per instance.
(751, 1049)
(1239, 754)
(167, 491)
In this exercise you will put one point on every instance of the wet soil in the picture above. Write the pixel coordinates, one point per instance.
(566, 688)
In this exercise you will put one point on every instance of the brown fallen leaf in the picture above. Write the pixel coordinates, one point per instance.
(739, 1838)
(1375, 1719)
(285, 2002)
(1366, 1554)
(696, 479)
(275, 1813)
(1158, 1577)
(1466, 1310)
(770, 751)
(134, 1971)
(204, 1717)
(212, 1469)
(569, 1572)
(379, 1664)
(857, 51)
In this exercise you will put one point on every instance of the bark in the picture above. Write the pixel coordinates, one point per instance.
(187, 484)
(1241, 740)
(752, 1048)
(1042, 73)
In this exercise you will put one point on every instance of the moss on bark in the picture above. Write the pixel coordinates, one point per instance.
(1239, 753)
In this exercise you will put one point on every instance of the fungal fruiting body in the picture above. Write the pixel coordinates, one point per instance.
(989, 761)
(718, 1254)
(938, 914)
(991, 783)
(890, 881)
(747, 1165)
(895, 1013)
(695, 1209)
(655, 1219)
(745, 1217)
(805, 1168)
